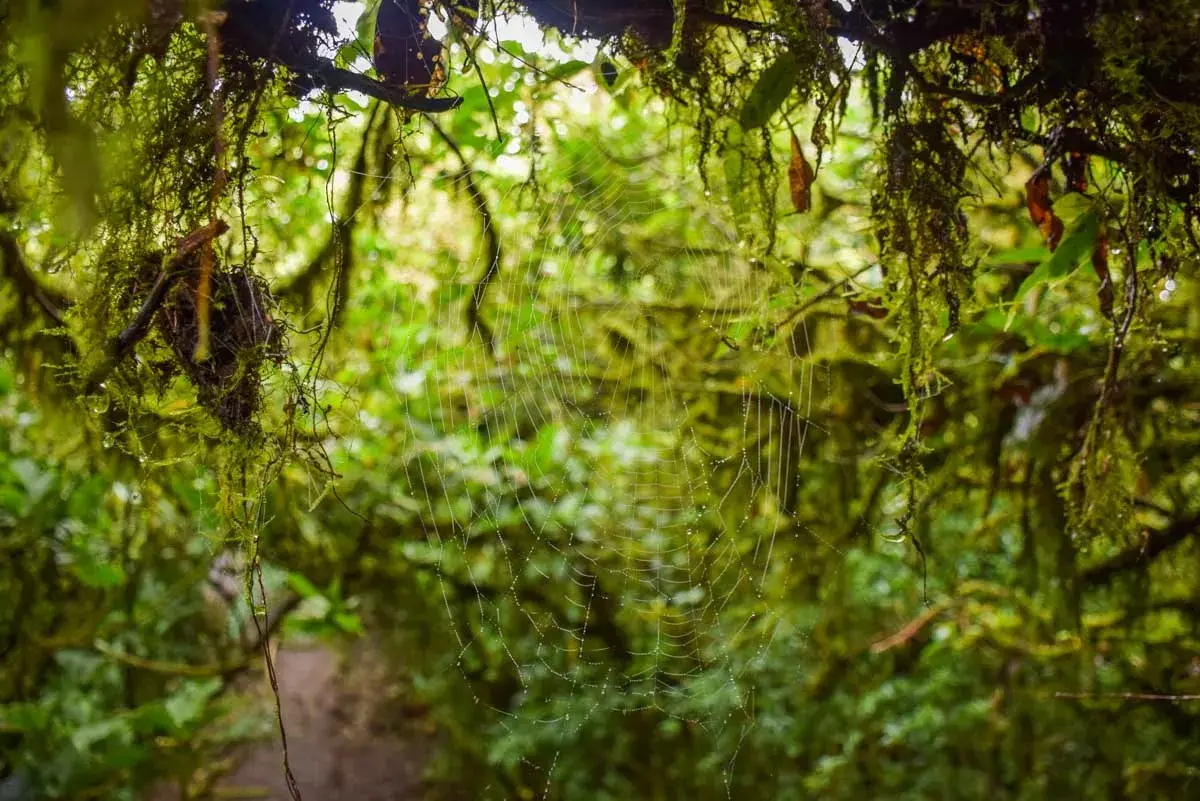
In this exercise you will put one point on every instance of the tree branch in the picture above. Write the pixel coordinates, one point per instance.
(491, 243)
(1173, 698)
(48, 300)
(1159, 541)
(825, 294)
(909, 630)
(718, 19)
(341, 234)
(325, 75)
(226, 671)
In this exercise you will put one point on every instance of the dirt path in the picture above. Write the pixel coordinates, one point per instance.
(346, 742)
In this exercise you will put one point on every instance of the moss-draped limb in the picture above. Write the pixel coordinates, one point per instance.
(51, 302)
(493, 253)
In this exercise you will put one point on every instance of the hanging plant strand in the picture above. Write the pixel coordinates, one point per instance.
(211, 20)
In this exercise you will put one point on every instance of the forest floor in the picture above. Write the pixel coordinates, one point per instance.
(347, 740)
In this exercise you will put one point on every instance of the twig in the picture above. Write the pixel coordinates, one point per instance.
(910, 629)
(1127, 697)
(338, 247)
(264, 639)
(211, 20)
(226, 671)
(824, 294)
(1072, 139)
(1108, 387)
(488, 96)
(717, 19)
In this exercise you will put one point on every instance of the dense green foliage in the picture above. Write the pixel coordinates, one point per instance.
(652, 472)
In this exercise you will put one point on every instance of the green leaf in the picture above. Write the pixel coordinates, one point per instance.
(1074, 248)
(36, 481)
(1017, 256)
(187, 705)
(364, 29)
(152, 717)
(566, 70)
(768, 94)
(1071, 207)
(348, 622)
(100, 575)
(303, 587)
(89, 734)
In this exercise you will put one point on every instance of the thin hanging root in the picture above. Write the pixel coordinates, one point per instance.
(210, 20)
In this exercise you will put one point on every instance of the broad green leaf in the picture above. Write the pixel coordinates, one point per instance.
(1072, 206)
(88, 735)
(1017, 256)
(187, 704)
(567, 70)
(101, 575)
(768, 94)
(302, 585)
(364, 28)
(1077, 245)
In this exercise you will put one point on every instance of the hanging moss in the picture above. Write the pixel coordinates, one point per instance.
(1067, 83)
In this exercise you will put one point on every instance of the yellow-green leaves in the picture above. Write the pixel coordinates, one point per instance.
(1078, 243)
(768, 94)
(1082, 239)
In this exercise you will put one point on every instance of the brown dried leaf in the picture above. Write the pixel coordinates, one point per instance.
(1052, 230)
(1041, 211)
(1037, 198)
(800, 178)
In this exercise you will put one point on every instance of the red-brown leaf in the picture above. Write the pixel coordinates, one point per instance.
(1041, 211)
(800, 178)
(1037, 198)
(1052, 230)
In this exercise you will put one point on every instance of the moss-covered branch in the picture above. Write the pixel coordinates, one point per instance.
(493, 254)
(49, 301)
(1143, 554)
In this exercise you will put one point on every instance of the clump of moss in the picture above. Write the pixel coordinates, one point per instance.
(243, 336)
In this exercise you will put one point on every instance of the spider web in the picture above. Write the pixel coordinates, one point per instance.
(606, 466)
(601, 471)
